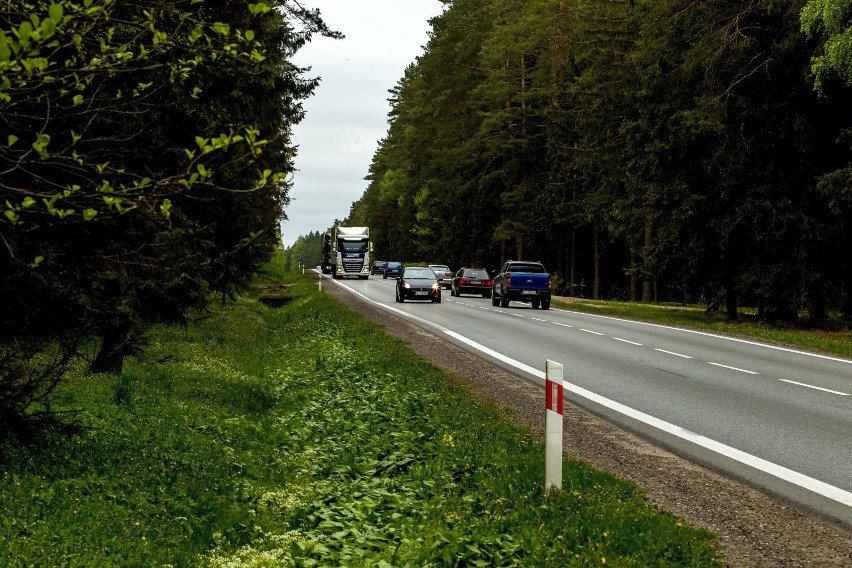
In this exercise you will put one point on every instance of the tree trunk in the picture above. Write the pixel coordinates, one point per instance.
(596, 286)
(634, 282)
(571, 287)
(116, 344)
(647, 281)
(730, 301)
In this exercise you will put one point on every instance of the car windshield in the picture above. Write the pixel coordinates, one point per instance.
(419, 273)
(440, 268)
(394, 265)
(476, 273)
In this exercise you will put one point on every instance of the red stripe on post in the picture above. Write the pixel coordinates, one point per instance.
(554, 396)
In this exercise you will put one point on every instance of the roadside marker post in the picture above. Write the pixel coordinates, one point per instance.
(553, 426)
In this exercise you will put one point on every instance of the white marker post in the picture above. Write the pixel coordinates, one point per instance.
(553, 426)
(319, 279)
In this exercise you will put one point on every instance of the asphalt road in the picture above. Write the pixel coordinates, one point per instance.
(777, 417)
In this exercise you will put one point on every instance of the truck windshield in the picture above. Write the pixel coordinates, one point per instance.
(532, 268)
(352, 246)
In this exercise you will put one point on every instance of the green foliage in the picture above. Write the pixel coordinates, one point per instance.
(302, 435)
(653, 151)
(829, 19)
(144, 147)
(306, 252)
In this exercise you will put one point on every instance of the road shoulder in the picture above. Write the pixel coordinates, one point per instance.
(755, 529)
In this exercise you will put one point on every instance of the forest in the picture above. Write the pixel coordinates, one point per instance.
(680, 151)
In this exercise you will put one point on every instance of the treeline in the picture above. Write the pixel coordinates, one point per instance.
(643, 150)
(144, 155)
(306, 251)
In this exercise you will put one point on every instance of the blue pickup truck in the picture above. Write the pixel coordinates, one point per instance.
(522, 281)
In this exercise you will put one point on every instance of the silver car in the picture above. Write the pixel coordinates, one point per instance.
(443, 274)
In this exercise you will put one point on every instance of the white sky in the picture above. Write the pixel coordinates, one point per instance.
(347, 115)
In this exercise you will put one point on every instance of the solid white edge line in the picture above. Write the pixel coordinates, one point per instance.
(673, 353)
(732, 368)
(627, 341)
(794, 477)
(814, 387)
(707, 334)
(819, 487)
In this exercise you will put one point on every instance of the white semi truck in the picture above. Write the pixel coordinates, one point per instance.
(347, 252)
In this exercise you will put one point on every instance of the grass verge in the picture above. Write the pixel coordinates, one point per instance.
(284, 430)
(832, 339)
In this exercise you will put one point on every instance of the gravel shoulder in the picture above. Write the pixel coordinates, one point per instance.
(755, 529)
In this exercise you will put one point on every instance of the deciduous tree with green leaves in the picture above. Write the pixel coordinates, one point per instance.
(144, 149)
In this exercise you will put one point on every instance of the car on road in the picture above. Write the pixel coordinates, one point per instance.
(522, 281)
(444, 274)
(393, 270)
(418, 283)
(378, 267)
(471, 281)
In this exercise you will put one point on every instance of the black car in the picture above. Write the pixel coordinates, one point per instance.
(418, 283)
(378, 267)
(471, 281)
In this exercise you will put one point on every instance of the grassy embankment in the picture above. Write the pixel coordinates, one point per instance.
(299, 434)
(832, 338)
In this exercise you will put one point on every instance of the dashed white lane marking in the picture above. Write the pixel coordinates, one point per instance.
(590, 331)
(518, 316)
(706, 334)
(820, 487)
(627, 341)
(561, 324)
(732, 368)
(537, 319)
(673, 353)
(814, 387)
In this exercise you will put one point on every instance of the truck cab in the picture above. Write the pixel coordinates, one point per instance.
(348, 253)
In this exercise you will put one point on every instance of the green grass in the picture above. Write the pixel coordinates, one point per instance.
(833, 338)
(302, 435)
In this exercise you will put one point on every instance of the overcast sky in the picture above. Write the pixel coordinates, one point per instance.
(347, 115)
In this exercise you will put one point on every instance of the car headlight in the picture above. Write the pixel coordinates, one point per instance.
(406, 285)
(436, 286)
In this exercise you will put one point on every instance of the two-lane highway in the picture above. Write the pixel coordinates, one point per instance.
(779, 417)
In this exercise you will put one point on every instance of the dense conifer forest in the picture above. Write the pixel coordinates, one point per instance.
(687, 151)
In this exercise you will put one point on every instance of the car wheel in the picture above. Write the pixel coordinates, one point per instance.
(437, 299)
(494, 299)
(452, 291)
(535, 304)
(504, 302)
(545, 304)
